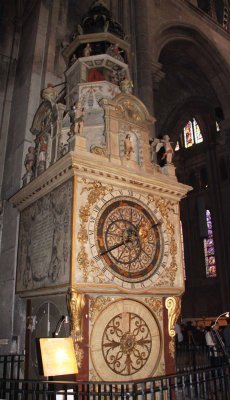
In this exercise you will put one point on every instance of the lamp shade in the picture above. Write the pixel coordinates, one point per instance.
(58, 356)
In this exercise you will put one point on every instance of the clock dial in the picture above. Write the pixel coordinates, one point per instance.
(125, 341)
(127, 239)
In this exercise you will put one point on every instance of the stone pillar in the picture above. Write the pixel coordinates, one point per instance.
(144, 53)
(157, 76)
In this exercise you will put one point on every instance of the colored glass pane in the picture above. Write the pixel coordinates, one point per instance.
(192, 133)
(188, 135)
(197, 133)
(209, 250)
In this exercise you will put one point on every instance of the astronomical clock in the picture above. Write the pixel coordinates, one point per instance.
(100, 223)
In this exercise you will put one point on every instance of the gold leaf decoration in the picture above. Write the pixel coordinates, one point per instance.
(173, 305)
(75, 304)
(172, 348)
(79, 354)
(160, 369)
(95, 191)
(155, 304)
(96, 305)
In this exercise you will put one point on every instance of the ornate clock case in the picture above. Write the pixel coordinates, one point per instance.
(101, 222)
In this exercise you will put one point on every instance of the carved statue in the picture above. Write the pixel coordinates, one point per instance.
(128, 146)
(78, 118)
(155, 146)
(30, 160)
(49, 94)
(42, 151)
(87, 50)
(114, 51)
(126, 86)
(75, 304)
(168, 154)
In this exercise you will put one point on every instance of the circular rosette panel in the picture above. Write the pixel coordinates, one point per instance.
(125, 342)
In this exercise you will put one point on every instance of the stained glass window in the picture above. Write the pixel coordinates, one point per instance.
(209, 250)
(192, 133)
(197, 133)
(188, 135)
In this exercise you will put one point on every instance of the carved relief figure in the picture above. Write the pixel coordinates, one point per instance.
(128, 145)
(30, 160)
(78, 119)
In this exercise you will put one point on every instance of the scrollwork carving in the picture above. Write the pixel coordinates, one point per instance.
(173, 305)
(155, 304)
(96, 305)
(95, 190)
(75, 304)
(166, 207)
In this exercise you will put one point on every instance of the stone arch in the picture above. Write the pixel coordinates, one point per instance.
(194, 107)
(210, 60)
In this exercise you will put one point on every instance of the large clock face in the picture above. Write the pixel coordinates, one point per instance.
(126, 239)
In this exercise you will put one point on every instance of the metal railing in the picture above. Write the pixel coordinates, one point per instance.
(203, 384)
(194, 381)
(12, 366)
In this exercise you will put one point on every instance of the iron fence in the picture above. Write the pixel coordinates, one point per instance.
(12, 366)
(195, 379)
(202, 384)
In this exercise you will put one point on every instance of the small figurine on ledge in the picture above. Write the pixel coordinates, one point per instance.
(30, 160)
(42, 152)
(155, 146)
(78, 118)
(113, 51)
(128, 146)
(168, 154)
(87, 50)
(126, 86)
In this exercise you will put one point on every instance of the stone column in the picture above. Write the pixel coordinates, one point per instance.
(157, 76)
(144, 53)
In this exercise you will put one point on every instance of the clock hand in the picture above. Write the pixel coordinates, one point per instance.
(144, 230)
(158, 223)
(112, 248)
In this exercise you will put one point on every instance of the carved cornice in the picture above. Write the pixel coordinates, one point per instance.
(88, 165)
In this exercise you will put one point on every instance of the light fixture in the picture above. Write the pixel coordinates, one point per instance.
(226, 313)
(64, 320)
(58, 354)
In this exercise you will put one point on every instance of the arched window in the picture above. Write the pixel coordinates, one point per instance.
(192, 133)
(209, 249)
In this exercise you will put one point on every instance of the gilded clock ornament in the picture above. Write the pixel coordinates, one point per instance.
(127, 239)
